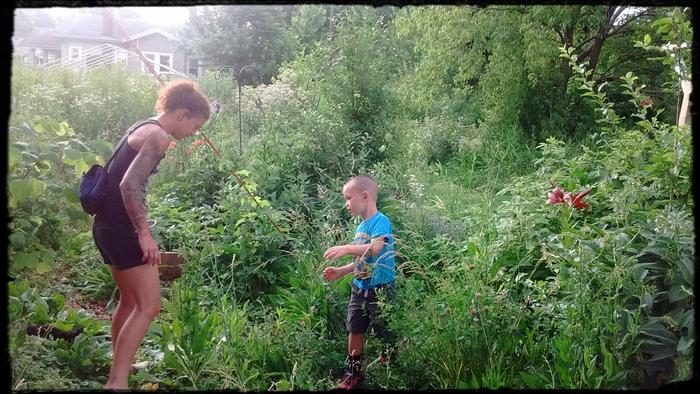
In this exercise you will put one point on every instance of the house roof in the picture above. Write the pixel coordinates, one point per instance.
(152, 31)
(84, 26)
(40, 37)
(90, 26)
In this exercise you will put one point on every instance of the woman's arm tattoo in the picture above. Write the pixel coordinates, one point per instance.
(133, 185)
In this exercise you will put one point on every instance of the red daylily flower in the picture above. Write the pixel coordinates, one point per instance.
(557, 195)
(574, 199)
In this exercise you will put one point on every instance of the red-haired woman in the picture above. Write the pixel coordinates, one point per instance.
(121, 230)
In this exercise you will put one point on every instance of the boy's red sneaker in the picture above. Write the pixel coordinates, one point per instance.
(351, 380)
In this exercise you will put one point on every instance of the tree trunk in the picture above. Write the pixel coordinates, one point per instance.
(568, 41)
(597, 45)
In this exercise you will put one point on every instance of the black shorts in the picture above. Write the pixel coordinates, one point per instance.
(118, 245)
(363, 310)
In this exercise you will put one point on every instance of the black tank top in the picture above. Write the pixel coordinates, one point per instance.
(115, 214)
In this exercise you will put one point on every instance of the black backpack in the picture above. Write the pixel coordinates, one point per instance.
(94, 183)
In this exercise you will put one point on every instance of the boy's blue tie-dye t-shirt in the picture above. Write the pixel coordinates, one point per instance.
(372, 271)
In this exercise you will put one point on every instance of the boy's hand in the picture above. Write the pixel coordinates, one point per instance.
(331, 273)
(335, 252)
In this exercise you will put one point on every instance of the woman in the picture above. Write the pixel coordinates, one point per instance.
(121, 230)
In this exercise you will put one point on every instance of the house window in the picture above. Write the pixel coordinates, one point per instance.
(162, 62)
(194, 67)
(75, 52)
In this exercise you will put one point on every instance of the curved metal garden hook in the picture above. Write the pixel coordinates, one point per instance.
(221, 70)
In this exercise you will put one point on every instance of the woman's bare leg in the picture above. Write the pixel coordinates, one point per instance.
(143, 283)
(125, 307)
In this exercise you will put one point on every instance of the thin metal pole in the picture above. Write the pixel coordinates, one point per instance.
(240, 130)
(240, 127)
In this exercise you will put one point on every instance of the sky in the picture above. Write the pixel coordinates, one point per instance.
(175, 15)
(159, 15)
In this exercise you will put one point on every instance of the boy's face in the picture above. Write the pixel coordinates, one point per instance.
(355, 200)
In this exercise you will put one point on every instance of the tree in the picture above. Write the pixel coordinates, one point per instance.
(238, 36)
(309, 24)
(27, 19)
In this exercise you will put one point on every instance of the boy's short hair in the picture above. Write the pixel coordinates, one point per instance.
(365, 183)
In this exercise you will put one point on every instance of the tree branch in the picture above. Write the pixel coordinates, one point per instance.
(625, 23)
(560, 33)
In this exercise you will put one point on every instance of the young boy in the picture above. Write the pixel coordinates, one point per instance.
(372, 267)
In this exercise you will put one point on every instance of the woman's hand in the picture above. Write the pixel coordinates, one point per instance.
(149, 247)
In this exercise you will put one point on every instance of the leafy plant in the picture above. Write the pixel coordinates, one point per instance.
(188, 342)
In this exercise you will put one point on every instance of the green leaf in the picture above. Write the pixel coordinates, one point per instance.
(143, 376)
(79, 145)
(48, 256)
(60, 131)
(283, 385)
(678, 292)
(23, 189)
(531, 380)
(30, 157)
(43, 267)
(62, 325)
(57, 302)
(609, 360)
(65, 129)
(647, 302)
(81, 167)
(17, 288)
(51, 156)
(657, 330)
(640, 273)
(662, 353)
(40, 312)
(27, 129)
(39, 127)
(18, 239)
(42, 165)
(15, 308)
(103, 148)
(71, 194)
(71, 156)
(25, 260)
(14, 157)
(684, 345)
(687, 319)
(685, 265)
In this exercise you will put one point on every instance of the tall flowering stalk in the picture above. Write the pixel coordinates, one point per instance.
(569, 202)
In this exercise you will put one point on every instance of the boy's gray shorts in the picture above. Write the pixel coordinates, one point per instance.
(363, 310)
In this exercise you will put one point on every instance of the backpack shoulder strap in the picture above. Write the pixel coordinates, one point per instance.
(126, 136)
